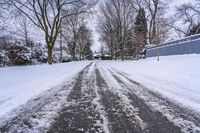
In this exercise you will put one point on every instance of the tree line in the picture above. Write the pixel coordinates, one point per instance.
(54, 18)
(127, 26)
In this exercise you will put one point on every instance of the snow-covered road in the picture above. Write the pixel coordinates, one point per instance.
(101, 99)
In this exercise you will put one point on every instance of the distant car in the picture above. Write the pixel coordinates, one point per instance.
(97, 56)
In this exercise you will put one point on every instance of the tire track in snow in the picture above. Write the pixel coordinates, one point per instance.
(181, 117)
(122, 118)
(80, 114)
(99, 107)
(156, 122)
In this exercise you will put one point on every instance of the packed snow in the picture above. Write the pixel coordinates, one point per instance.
(20, 84)
(175, 77)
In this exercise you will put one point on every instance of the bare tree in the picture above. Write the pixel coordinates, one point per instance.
(158, 24)
(152, 6)
(71, 34)
(23, 29)
(48, 15)
(155, 10)
(188, 14)
(116, 18)
(172, 24)
(106, 30)
(76, 34)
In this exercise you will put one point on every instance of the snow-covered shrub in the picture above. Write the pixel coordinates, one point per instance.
(40, 53)
(56, 57)
(19, 54)
(66, 59)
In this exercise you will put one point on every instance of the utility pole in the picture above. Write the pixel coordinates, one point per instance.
(158, 53)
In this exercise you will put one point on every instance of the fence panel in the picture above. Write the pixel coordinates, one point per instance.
(176, 48)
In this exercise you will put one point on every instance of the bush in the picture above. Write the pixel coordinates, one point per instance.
(20, 54)
(17, 52)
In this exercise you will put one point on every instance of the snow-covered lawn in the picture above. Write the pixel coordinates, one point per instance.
(174, 77)
(20, 84)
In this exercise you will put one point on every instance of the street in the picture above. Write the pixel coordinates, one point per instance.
(102, 100)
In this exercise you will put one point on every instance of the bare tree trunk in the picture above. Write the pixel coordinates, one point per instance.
(111, 46)
(61, 54)
(73, 56)
(81, 47)
(50, 53)
(80, 55)
(115, 54)
(73, 51)
(122, 51)
(112, 53)
(150, 33)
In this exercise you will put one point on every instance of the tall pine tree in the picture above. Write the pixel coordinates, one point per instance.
(140, 31)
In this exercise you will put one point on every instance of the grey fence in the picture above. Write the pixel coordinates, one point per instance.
(187, 45)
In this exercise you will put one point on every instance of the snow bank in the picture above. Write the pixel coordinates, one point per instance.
(174, 77)
(20, 84)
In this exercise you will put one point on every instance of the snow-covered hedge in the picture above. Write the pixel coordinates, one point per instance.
(18, 53)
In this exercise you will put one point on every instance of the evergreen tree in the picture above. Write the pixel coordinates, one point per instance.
(140, 31)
